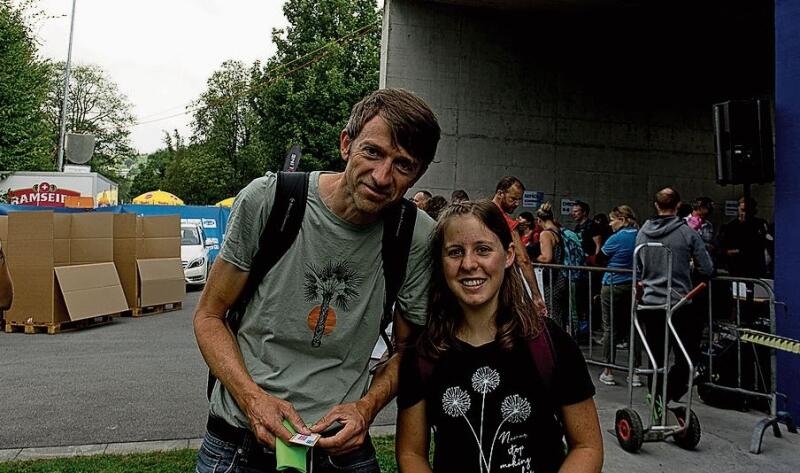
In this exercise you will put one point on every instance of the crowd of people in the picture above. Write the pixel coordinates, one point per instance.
(480, 356)
(742, 247)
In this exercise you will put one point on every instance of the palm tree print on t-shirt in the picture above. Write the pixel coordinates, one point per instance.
(333, 284)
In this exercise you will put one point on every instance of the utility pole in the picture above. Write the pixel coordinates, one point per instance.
(63, 123)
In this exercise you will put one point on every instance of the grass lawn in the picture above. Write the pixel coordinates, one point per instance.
(176, 461)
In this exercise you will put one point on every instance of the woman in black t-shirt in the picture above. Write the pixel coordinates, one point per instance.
(497, 401)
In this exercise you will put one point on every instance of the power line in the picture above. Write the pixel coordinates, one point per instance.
(254, 88)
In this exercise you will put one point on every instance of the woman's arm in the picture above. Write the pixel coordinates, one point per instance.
(413, 440)
(547, 242)
(584, 438)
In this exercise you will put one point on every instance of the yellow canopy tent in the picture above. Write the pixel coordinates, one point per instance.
(158, 197)
(226, 202)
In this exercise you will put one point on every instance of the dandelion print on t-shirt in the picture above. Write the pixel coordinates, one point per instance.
(514, 409)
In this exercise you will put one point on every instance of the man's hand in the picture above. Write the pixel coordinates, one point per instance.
(266, 414)
(355, 419)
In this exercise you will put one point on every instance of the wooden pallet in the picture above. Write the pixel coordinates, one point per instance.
(58, 327)
(152, 310)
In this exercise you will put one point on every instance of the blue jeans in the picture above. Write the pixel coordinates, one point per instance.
(218, 456)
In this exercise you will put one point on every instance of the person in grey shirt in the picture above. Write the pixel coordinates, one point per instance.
(688, 250)
(279, 366)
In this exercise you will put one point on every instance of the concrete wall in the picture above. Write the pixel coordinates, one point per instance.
(606, 105)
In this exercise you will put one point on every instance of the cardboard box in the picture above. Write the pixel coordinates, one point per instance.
(161, 281)
(90, 290)
(3, 228)
(147, 254)
(47, 255)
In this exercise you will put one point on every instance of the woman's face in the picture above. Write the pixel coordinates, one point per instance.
(616, 223)
(474, 263)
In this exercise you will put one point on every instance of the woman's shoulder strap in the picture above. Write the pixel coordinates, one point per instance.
(541, 349)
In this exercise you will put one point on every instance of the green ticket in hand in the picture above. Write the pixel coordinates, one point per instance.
(290, 457)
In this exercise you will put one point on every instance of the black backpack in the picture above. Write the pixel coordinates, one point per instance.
(282, 228)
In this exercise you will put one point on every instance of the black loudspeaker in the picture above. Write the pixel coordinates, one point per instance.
(743, 142)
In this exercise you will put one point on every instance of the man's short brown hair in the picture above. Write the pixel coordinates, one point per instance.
(667, 199)
(411, 122)
(506, 183)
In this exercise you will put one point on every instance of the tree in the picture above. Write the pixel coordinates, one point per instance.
(326, 60)
(96, 106)
(24, 140)
(197, 176)
(191, 172)
(225, 125)
(150, 174)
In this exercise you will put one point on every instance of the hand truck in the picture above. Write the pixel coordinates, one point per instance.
(628, 426)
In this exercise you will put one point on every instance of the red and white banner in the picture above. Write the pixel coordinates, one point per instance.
(43, 194)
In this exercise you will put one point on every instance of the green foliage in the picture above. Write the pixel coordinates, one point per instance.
(197, 176)
(248, 118)
(150, 175)
(96, 106)
(226, 126)
(24, 141)
(177, 461)
(192, 172)
(327, 59)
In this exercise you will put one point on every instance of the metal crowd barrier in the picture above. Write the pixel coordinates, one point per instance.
(741, 291)
(570, 328)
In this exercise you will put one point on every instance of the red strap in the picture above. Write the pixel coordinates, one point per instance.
(541, 349)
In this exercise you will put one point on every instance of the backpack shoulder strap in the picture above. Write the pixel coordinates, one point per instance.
(541, 349)
(277, 236)
(398, 230)
(280, 231)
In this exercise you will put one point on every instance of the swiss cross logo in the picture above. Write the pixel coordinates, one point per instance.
(43, 194)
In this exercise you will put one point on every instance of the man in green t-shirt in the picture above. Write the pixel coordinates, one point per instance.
(302, 350)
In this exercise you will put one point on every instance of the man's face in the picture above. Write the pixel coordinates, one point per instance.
(377, 174)
(511, 198)
(578, 214)
(745, 212)
(420, 200)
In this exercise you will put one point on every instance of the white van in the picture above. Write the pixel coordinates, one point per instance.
(194, 253)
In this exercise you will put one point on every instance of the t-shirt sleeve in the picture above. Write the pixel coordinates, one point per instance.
(571, 380)
(410, 389)
(611, 245)
(248, 217)
(412, 301)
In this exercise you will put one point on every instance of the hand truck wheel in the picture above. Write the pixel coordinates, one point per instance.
(689, 438)
(629, 430)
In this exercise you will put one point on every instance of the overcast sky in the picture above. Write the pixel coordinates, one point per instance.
(160, 53)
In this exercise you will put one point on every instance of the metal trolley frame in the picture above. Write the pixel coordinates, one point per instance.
(628, 426)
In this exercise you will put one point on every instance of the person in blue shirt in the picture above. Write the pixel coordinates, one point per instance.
(616, 291)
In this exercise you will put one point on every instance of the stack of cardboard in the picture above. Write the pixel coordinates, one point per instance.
(147, 254)
(62, 268)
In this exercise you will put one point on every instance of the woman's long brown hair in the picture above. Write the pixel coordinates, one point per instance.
(516, 316)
